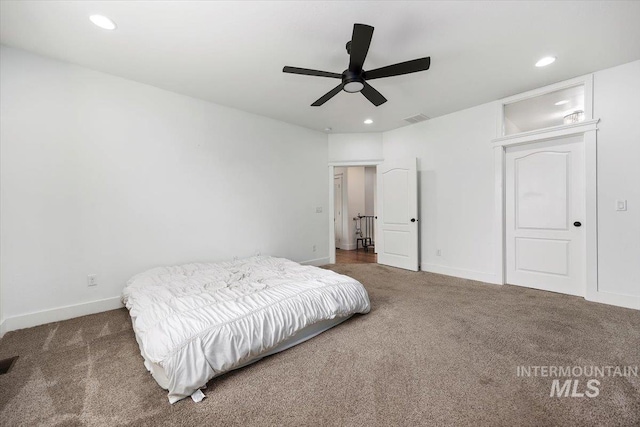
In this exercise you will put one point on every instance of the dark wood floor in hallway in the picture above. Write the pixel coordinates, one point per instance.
(356, 257)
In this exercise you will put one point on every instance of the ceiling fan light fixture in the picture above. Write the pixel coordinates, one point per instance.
(352, 81)
(353, 87)
(574, 117)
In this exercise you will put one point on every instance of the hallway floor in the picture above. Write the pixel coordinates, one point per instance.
(356, 257)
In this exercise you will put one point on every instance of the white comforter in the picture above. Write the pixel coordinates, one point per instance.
(197, 321)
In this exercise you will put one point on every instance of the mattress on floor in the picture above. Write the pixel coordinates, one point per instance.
(196, 321)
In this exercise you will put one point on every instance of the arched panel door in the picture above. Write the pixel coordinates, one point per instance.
(397, 234)
(545, 212)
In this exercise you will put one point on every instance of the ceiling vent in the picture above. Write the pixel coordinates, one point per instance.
(417, 118)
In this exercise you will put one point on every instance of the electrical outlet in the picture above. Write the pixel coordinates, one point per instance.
(438, 252)
(314, 248)
(621, 205)
(319, 209)
(92, 280)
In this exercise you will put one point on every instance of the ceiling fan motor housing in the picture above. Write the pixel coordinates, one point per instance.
(352, 81)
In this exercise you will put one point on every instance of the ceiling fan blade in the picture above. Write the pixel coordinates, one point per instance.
(327, 96)
(360, 41)
(407, 67)
(373, 95)
(308, 72)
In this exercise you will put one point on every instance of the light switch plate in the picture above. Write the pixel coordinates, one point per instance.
(621, 205)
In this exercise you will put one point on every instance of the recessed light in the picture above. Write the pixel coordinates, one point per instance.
(545, 61)
(103, 22)
(368, 122)
(562, 102)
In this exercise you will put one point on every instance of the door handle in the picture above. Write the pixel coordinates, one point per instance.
(413, 220)
(577, 224)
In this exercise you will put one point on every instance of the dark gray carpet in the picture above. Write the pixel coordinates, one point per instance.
(434, 350)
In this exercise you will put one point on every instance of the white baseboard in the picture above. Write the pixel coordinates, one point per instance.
(350, 246)
(462, 273)
(317, 262)
(626, 301)
(57, 314)
(2, 331)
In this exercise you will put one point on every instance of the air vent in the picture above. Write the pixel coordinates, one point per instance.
(6, 364)
(417, 118)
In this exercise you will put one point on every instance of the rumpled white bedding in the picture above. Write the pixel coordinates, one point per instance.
(198, 321)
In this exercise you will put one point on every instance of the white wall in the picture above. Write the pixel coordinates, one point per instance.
(369, 190)
(102, 175)
(455, 185)
(355, 147)
(616, 93)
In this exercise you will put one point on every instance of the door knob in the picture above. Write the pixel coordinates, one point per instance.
(577, 224)
(413, 220)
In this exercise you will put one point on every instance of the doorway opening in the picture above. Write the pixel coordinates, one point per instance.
(354, 215)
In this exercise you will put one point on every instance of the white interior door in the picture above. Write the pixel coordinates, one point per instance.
(545, 212)
(337, 209)
(397, 237)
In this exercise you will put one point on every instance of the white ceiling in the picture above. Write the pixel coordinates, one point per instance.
(232, 53)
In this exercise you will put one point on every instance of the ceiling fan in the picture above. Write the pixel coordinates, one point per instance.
(354, 78)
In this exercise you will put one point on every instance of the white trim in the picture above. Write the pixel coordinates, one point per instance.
(346, 164)
(500, 119)
(588, 97)
(591, 213)
(461, 273)
(316, 262)
(588, 131)
(349, 246)
(2, 328)
(586, 80)
(544, 134)
(342, 178)
(499, 214)
(61, 313)
(332, 228)
(627, 301)
(332, 220)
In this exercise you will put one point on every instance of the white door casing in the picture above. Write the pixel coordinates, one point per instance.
(544, 197)
(337, 209)
(397, 190)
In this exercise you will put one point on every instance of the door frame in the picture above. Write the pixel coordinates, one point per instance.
(342, 194)
(332, 230)
(587, 129)
(572, 155)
